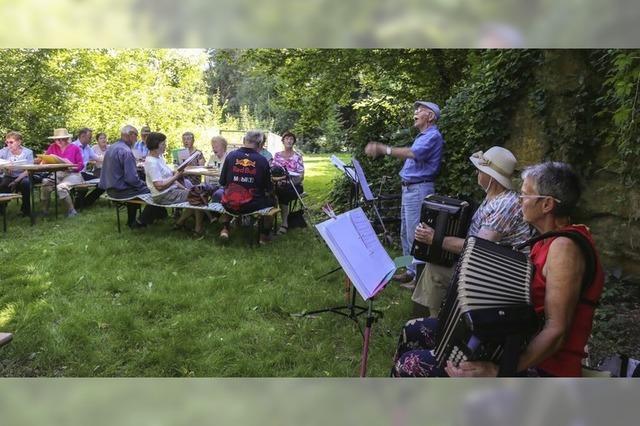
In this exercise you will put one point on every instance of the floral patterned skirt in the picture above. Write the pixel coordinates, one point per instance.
(414, 355)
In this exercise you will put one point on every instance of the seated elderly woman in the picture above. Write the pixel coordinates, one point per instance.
(163, 183)
(564, 289)
(498, 218)
(65, 152)
(292, 162)
(100, 149)
(16, 179)
(188, 140)
(218, 155)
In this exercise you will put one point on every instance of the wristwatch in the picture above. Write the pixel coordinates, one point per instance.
(388, 150)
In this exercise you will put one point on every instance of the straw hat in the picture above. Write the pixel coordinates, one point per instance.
(60, 134)
(497, 162)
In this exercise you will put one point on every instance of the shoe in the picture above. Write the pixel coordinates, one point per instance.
(72, 213)
(181, 227)
(224, 234)
(264, 239)
(137, 225)
(197, 235)
(283, 230)
(404, 277)
(411, 285)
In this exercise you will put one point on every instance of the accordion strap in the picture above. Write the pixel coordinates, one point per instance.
(587, 251)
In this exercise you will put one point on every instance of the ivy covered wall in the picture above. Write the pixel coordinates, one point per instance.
(564, 116)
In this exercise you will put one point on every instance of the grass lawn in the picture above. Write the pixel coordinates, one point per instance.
(83, 300)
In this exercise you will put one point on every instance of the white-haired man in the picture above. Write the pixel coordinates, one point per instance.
(421, 167)
(119, 177)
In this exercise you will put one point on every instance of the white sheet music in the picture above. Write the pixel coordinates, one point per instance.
(343, 168)
(12, 163)
(362, 179)
(355, 245)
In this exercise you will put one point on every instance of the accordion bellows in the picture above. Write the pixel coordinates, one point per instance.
(487, 301)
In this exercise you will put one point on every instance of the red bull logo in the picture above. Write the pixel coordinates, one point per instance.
(245, 162)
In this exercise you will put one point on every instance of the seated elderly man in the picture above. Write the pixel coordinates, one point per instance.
(246, 179)
(15, 179)
(66, 152)
(90, 158)
(565, 288)
(119, 177)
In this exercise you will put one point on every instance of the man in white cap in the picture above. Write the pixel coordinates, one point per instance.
(421, 167)
(499, 218)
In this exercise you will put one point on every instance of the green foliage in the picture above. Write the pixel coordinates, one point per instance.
(620, 106)
(103, 89)
(34, 88)
(616, 319)
(476, 116)
(331, 90)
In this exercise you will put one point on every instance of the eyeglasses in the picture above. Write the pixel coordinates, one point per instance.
(522, 196)
(9, 142)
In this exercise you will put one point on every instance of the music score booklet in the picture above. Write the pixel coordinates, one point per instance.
(357, 248)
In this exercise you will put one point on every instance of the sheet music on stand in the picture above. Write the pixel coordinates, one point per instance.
(362, 179)
(340, 165)
(354, 244)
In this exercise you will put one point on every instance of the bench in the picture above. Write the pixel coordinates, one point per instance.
(4, 201)
(146, 199)
(84, 186)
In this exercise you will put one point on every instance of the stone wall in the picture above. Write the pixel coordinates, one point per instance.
(613, 219)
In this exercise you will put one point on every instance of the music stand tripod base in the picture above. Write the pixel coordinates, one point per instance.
(353, 311)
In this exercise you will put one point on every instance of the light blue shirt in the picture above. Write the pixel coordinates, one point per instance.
(26, 155)
(88, 153)
(427, 149)
(140, 146)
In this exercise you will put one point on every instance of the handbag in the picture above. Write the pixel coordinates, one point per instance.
(296, 219)
(200, 195)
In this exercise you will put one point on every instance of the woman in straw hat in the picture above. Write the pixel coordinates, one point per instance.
(498, 218)
(65, 152)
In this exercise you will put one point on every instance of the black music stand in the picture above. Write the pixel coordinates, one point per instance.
(352, 311)
(339, 232)
(369, 198)
(350, 173)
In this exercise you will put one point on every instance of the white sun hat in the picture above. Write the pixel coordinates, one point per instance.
(497, 162)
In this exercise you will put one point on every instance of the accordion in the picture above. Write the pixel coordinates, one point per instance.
(487, 306)
(448, 217)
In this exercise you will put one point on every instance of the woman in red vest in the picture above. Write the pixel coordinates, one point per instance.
(550, 192)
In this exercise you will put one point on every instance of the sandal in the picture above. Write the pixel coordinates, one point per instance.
(283, 230)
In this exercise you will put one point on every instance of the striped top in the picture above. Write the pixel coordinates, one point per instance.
(502, 214)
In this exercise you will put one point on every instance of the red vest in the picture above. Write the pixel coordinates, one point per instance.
(567, 362)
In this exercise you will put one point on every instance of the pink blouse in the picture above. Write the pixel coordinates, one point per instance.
(292, 164)
(71, 153)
